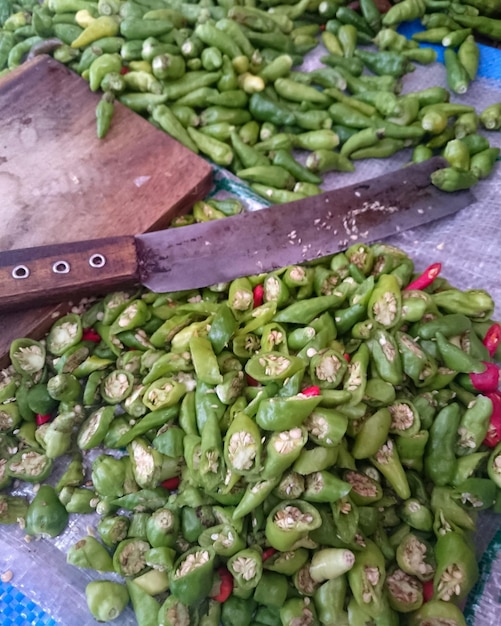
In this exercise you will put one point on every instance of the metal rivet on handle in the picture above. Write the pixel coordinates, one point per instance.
(20, 271)
(61, 267)
(97, 260)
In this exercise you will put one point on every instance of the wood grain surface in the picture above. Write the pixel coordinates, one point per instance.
(60, 183)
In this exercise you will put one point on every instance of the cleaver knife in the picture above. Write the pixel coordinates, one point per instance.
(218, 251)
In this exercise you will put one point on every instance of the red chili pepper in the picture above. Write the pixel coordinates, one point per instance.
(89, 334)
(124, 70)
(171, 483)
(493, 436)
(42, 419)
(488, 380)
(269, 552)
(426, 278)
(347, 357)
(428, 590)
(252, 382)
(258, 293)
(225, 585)
(312, 391)
(492, 338)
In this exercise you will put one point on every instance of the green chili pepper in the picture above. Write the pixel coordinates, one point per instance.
(366, 578)
(149, 466)
(455, 358)
(280, 413)
(324, 486)
(468, 55)
(364, 489)
(282, 449)
(449, 513)
(108, 475)
(289, 522)
(385, 356)
(64, 387)
(246, 566)
(482, 163)
(387, 461)
(93, 430)
(411, 449)
(385, 302)
(405, 11)
(29, 465)
(27, 356)
(57, 437)
(46, 515)
(270, 175)
(89, 553)
(13, 508)
(457, 567)
(457, 77)
(480, 24)
(474, 424)
(326, 426)
(438, 609)
(416, 557)
(112, 529)
(405, 420)
(129, 556)
(224, 538)
(10, 417)
(211, 449)
(475, 303)
(73, 475)
(440, 460)
(106, 600)
(64, 334)
(315, 459)
(457, 154)
(242, 445)
(327, 369)
(191, 577)
(372, 434)
(271, 591)
(146, 607)
(249, 156)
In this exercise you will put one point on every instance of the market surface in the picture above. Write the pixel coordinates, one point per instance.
(318, 443)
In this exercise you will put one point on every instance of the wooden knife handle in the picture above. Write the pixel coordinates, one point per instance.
(35, 276)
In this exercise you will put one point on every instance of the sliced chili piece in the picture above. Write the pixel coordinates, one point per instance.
(493, 436)
(268, 553)
(225, 585)
(171, 484)
(89, 334)
(426, 278)
(488, 380)
(427, 590)
(258, 295)
(311, 391)
(42, 419)
(252, 382)
(492, 338)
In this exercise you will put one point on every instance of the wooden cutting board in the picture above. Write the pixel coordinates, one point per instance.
(60, 183)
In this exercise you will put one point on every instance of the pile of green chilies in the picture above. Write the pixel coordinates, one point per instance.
(224, 79)
(307, 446)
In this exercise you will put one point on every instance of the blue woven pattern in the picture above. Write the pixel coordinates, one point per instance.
(18, 610)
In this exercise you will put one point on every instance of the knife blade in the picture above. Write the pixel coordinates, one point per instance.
(218, 251)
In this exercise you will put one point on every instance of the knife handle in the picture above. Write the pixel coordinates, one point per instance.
(34, 276)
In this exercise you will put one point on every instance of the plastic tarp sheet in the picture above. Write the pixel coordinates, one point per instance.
(45, 590)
